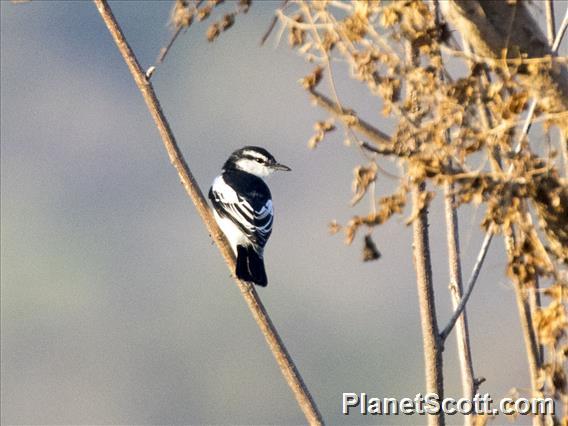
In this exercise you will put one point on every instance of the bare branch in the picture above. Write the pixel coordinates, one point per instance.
(456, 291)
(349, 119)
(376, 149)
(550, 28)
(470, 284)
(500, 62)
(431, 339)
(272, 24)
(561, 32)
(526, 126)
(529, 336)
(164, 50)
(532, 106)
(432, 344)
(287, 367)
(564, 149)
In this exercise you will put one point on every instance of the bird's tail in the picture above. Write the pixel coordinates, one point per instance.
(250, 266)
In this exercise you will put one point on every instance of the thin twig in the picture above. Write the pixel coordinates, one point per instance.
(164, 50)
(289, 22)
(564, 149)
(501, 62)
(375, 149)
(509, 31)
(535, 302)
(551, 116)
(526, 126)
(470, 284)
(272, 24)
(333, 87)
(269, 30)
(561, 32)
(550, 27)
(178, 27)
(332, 84)
(381, 139)
(456, 291)
(287, 367)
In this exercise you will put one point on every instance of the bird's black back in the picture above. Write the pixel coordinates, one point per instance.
(248, 186)
(251, 191)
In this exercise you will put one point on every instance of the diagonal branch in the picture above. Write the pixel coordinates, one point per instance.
(561, 32)
(285, 362)
(470, 284)
(164, 50)
(382, 141)
(272, 24)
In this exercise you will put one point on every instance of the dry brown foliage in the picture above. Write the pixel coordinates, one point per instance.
(458, 118)
(184, 12)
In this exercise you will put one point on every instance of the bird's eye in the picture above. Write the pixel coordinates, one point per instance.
(258, 160)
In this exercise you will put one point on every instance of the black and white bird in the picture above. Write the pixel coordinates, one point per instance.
(242, 206)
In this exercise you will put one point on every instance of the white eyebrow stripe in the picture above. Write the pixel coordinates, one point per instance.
(254, 154)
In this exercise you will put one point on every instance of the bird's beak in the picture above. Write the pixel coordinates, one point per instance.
(282, 167)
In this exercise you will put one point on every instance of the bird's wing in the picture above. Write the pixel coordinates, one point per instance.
(252, 215)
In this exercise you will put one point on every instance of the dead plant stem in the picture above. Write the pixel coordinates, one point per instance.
(285, 362)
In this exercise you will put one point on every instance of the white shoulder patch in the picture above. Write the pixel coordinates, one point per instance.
(225, 193)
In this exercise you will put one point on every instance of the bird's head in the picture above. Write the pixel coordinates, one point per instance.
(254, 160)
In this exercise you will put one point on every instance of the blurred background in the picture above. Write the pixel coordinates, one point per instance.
(116, 308)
